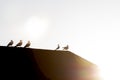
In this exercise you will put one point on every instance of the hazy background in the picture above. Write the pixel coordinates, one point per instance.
(90, 27)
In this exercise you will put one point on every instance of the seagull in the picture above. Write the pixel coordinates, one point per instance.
(66, 47)
(10, 43)
(19, 44)
(27, 45)
(57, 47)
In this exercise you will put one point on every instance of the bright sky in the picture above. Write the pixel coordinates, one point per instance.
(90, 27)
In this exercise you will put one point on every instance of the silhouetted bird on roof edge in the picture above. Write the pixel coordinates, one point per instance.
(66, 47)
(10, 43)
(28, 44)
(19, 44)
(57, 47)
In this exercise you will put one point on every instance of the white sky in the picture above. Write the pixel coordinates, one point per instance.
(90, 27)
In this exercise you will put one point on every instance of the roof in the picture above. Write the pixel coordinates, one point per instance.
(52, 64)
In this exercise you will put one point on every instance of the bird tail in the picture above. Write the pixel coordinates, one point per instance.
(24, 46)
(16, 46)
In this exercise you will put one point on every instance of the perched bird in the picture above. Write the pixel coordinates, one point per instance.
(57, 47)
(28, 44)
(66, 47)
(19, 44)
(10, 43)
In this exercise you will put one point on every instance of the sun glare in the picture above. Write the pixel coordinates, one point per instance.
(109, 72)
(35, 28)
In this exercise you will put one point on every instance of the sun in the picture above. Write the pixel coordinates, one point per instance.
(35, 28)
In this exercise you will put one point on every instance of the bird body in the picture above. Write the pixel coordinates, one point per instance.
(66, 47)
(19, 44)
(57, 47)
(28, 44)
(10, 43)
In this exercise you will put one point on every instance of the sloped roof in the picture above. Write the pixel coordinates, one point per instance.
(56, 64)
(52, 64)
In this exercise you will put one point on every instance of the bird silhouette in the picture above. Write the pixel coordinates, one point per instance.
(28, 44)
(10, 43)
(66, 47)
(19, 44)
(57, 47)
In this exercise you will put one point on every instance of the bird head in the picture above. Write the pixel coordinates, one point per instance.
(20, 40)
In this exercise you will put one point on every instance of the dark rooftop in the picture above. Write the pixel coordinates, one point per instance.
(42, 64)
